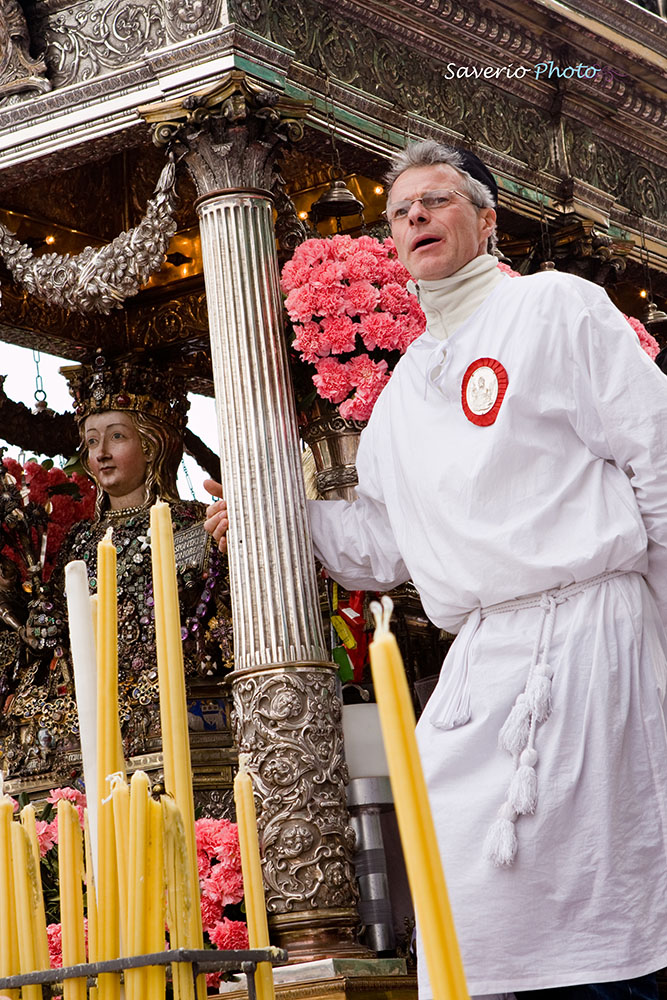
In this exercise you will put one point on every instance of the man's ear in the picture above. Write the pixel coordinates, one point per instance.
(488, 215)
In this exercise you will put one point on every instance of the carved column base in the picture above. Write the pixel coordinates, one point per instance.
(324, 933)
(287, 720)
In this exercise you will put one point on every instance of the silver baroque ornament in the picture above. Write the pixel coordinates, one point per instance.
(289, 723)
(99, 279)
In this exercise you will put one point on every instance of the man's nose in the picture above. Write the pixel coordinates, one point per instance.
(417, 212)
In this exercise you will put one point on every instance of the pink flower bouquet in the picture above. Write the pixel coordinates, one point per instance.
(352, 316)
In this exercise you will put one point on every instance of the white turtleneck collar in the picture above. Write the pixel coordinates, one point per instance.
(449, 302)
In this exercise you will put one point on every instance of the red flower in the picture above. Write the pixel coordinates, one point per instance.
(229, 934)
(309, 342)
(647, 340)
(379, 330)
(211, 907)
(55, 935)
(332, 380)
(337, 290)
(506, 269)
(341, 333)
(361, 297)
(47, 835)
(70, 794)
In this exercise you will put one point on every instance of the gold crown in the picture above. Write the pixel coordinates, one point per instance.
(128, 384)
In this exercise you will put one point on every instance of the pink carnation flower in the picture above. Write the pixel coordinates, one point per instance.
(47, 835)
(647, 340)
(54, 933)
(363, 266)
(361, 297)
(310, 342)
(229, 934)
(340, 333)
(380, 330)
(332, 380)
(70, 794)
(506, 269)
(394, 298)
(330, 272)
(349, 279)
(227, 880)
(211, 907)
(342, 246)
(363, 371)
(360, 406)
(328, 300)
(300, 303)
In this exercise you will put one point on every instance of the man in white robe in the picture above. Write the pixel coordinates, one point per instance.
(515, 468)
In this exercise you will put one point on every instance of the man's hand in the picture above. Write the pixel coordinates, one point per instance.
(216, 522)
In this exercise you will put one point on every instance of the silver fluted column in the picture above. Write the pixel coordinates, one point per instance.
(274, 599)
(286, 692)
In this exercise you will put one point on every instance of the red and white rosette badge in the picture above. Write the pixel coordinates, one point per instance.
(483, 390)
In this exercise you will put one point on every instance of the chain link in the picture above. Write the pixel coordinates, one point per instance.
(40, 391)
(187, 478)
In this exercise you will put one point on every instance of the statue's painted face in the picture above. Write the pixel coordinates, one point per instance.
(115, 454)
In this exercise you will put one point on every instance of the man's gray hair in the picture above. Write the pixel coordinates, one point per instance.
(429, 153)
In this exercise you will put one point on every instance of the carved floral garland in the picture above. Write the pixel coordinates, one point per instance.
(99, 279)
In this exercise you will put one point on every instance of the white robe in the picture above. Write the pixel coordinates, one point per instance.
(568, 483)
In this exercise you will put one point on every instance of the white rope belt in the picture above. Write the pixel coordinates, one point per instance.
(531, 708)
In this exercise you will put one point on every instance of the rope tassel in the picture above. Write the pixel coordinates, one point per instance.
(515, 732)
(522, 795)
(500, 845)
(538, 692)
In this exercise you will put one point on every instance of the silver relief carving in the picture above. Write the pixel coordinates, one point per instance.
(99, 279)
(289, 723)
(88, 39)
(187, 18)
(20, 74)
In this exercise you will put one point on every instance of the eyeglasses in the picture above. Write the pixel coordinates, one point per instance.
(398, 211)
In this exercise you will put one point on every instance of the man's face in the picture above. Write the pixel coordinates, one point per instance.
(438, 243)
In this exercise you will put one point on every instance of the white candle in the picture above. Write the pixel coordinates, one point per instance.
(84, 661)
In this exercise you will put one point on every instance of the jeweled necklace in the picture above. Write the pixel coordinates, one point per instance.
(114, 515)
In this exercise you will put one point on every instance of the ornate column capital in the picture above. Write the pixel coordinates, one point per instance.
(229, 134)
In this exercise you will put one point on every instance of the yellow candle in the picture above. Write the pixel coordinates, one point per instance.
(109, 759)
(9, 946)
(179, 898)
(253, 885)
(41, 937)
(137, 914)
(155, 901)
(120, 796)
(24, 893)
(413, 812)
(70, 877)
(91, 899)
(173, 706)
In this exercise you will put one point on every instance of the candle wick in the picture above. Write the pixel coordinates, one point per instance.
(244, 759)
(108, 535)
(2, 783)
(382, 615)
